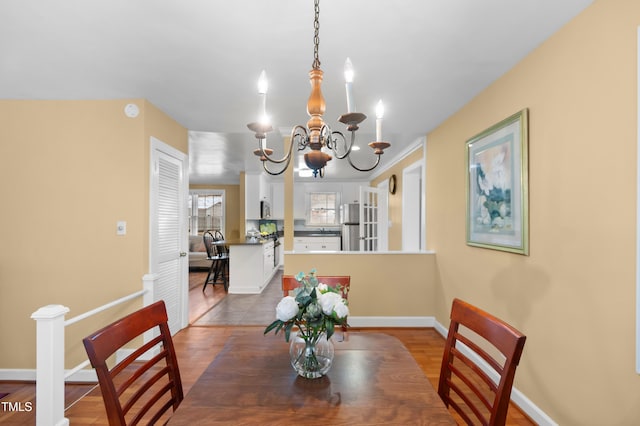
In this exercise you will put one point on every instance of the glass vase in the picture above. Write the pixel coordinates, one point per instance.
(311, 358)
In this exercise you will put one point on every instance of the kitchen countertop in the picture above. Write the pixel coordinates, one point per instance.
(317, 233)
(247, 242)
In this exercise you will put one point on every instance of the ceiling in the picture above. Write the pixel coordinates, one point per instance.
(199, 61)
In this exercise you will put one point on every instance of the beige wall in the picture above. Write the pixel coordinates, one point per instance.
(574, 296)
(378, 288)
(395, 200)
(232, 208)
(71, 170)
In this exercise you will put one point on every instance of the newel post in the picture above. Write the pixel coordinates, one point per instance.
(50, 365)
(149, 282)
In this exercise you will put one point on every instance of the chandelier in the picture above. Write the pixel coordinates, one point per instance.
(317, 135)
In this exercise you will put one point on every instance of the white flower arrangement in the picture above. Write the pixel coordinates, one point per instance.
(315, 308)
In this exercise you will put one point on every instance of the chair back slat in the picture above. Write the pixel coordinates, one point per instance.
(208, 239)
(137, 391)
(477, 396)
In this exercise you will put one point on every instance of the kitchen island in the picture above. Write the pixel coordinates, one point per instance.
(252, 264)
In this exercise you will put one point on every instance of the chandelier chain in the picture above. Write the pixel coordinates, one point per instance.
(316, 36)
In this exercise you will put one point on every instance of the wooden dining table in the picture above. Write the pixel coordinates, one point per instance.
(373, 380)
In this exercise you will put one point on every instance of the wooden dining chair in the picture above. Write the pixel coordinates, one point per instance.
(218, 254)
(222, 253)
(136, 391)
(478, 396)
(290, 283)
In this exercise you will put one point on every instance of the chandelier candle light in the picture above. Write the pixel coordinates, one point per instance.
(263, 85)
(317, 135)
(348, 84)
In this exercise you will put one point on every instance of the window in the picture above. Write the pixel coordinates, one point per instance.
(322, 208)
(206, 211)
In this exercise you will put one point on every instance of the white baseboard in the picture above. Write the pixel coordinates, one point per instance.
(441, 329)
(391, 321)
(84, 376)
(517, 397)
(26, 375)
(11, 374)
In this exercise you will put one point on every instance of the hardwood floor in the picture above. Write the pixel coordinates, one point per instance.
(197, 346)
(200, 302)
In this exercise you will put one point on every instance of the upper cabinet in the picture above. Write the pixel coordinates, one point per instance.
(351, 191)
(256, 189)
(265, 189)
(251, 196)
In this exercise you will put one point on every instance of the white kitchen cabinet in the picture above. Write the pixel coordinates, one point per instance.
(332, 243)
(351, 192)
(251, 267)
(252, 196)
(300, 245)
(265, 189)
(268, 260)
(308, 244)
(256, 189)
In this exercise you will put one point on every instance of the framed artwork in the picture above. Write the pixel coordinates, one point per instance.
(497, 186)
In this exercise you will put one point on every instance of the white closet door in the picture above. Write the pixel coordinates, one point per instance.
(168, 259)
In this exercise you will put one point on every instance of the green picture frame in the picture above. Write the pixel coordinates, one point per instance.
(497, 186)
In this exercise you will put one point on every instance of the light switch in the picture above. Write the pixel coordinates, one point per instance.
(121, 227)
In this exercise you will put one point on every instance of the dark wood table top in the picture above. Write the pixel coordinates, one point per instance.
(373, 380)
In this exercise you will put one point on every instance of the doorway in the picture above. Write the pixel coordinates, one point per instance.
(412, 208)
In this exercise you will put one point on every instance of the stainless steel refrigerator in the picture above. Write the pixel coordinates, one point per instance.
(350, 220)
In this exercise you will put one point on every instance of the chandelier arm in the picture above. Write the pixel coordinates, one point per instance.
(348, 152)
(334, 146)
(325, 130)
(286, 158)
(325, 135)
(364, 170)
(298, 133)
(302, 137)
(272, 173)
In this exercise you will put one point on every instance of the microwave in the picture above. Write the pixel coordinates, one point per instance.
(265, 210)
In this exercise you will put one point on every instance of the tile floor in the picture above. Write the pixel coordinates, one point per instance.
(245, 309)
